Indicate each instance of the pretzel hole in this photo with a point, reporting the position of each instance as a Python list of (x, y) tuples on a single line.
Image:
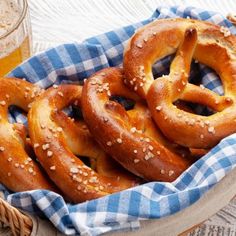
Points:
[(16, 115), (75, 113), (194, 108), (127, 103), (212, 82), (90, 162), (162, 67)]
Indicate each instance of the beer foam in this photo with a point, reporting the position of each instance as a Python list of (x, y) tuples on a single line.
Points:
[(9, 15), (10, 12)]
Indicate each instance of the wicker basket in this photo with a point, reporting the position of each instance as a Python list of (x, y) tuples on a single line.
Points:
[(19, 223)]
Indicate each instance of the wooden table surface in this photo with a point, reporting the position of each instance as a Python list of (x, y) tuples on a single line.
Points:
[(58, 21)]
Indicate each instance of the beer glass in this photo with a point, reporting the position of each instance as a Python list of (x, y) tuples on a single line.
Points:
[(15, 34)]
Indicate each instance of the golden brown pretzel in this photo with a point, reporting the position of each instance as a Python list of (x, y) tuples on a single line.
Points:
[(18, 171), (211, 45), (142, 120), (77, 181), (115, 130), (81, 143)]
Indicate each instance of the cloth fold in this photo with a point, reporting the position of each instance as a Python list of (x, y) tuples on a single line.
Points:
[(71, 63)]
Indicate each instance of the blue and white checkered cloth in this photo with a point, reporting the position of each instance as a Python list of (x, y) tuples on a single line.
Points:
[(123, 210)]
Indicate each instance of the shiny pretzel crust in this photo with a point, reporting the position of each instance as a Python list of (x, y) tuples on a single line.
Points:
[(209, 44), (116, 131), (18, 171), (77, 181)]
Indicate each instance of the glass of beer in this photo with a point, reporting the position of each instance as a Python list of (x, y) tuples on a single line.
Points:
[(15, 34)]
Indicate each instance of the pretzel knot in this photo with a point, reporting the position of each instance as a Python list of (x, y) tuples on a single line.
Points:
[(209, 44), (129, 139), (57, 141), (19, 172)]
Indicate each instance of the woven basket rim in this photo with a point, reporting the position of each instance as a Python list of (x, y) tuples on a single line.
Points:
[(18, 222)]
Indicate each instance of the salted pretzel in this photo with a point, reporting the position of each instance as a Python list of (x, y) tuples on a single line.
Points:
[(117, 132), (77, 181), (141, 118), (18, 171), (81, 143), (209, 44)]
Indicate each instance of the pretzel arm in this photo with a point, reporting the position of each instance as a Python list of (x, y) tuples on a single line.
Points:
[(204, 96), (16, 163)]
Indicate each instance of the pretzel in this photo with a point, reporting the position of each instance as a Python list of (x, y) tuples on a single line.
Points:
[(209, 44), (142, 120), (114, 129), (81, 143), (18, 171), (77, 181)]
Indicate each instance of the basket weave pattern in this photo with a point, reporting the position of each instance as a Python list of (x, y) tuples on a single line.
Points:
[(19, 223)]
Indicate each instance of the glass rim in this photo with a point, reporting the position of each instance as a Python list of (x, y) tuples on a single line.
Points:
[(19, 21)]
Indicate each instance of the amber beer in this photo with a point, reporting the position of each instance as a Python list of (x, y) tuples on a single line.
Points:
[(15, 34)]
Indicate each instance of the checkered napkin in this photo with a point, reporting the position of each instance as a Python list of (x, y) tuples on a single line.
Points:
[(123, 210)]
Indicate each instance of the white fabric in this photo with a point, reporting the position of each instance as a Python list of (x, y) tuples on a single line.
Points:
[(58, 21)]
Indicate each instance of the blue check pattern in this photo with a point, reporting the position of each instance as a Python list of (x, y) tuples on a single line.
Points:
[(124, 210)]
